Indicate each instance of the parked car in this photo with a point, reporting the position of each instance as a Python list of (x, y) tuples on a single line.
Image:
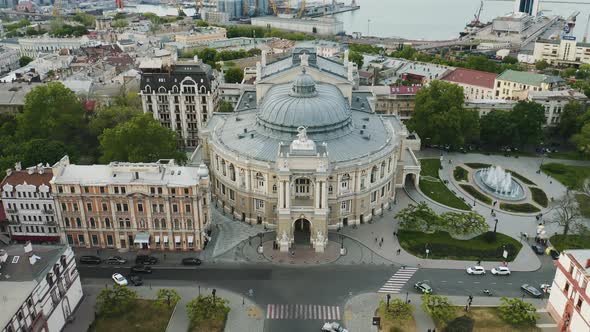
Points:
[(423, 287), (90, 260), (333, 327), (135, 280), (554, 254), (538, 249), (545, 288), (532, 291), (501, 271), (191, 261), (476, 270), (119, 279), (117, 260), (141, 269), (146, 259)]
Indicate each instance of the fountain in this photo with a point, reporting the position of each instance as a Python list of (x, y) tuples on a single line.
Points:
[(499, 183)]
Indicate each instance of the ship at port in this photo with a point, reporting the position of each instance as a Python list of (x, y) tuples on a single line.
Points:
[(474, 24)]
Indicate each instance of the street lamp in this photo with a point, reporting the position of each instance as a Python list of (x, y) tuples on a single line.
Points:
[(213, 292), (495, 226), (388, 298)]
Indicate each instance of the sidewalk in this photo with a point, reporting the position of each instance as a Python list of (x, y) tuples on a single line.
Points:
[(359, 310), (247, 317)]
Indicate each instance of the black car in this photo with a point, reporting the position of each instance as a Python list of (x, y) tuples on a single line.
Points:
[(554, 254), (532, 291), (118, 260), (191, 261), (538, 249), (141, 269), (90, 260), (135, 280), (146, 260)]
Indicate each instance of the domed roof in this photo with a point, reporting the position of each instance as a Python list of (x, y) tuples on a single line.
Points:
[(318, 107)]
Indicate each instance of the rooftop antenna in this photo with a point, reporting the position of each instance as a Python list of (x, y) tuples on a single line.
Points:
[(585, 39)]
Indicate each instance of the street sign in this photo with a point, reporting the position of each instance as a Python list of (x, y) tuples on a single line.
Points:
[(505, 254)]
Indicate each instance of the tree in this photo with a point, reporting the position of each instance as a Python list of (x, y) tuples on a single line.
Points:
[(418, 218), (140, 139), (110, 117), (207, 308), (52, 112), (85, 19), (515, 311), (167, 297), (542, 65), (464, 223), (567, 213), (510, 60), (40, 150), (438, 307), (528, 118), (569, 122), (398, 309), (24, 60), (120, 23), (225, 106), (357, 58), (497, 129), (582, 140), (439, 116), (234, 75), (115, 301)]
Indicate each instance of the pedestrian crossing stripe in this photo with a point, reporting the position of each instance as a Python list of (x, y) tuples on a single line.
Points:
[(302, 312), (398, 280)]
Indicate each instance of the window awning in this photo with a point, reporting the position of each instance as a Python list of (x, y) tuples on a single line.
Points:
[(157, 238), (142, 237), (165, 239), (177, 238), (190, 239)]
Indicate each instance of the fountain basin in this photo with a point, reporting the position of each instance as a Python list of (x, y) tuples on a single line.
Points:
[(497, 182)]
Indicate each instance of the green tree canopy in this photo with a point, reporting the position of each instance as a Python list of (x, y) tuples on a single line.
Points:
[(110, 117), (52, 112), (398, 309), (439, 116), (497, 128), (115, 301), (528, 118), (542, 65), (516, 311), (438, 307), (141, 139), (85, 19), (167, 297), (207, 308), (43, 151), (418, 218), (234, 75), (357, 58), (24, 60), (225, 106), (582, 139), (570, 121), (464, 223)]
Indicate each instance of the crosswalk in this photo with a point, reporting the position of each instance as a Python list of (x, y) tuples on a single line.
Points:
[(398, 280), (302, 311)]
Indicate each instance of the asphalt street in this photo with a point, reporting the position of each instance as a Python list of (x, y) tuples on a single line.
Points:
[(329, 285)]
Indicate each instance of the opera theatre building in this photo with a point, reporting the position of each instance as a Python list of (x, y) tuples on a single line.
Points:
[(305, 153)]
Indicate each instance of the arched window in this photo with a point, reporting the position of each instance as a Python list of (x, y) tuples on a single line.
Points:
[(382, 169), (176, 224), (163, 223), (148, 89), (161, 89), (121, 223), (232, 172), (67, 222), (107, 223), (274, 188), (175, 89), (223, 167), (345, 183), (156, 224), (78, 222), (189, 224), (92, 223), (374, 174), (259, 180)]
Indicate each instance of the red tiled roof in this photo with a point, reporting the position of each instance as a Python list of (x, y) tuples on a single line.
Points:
[(36, 179), (471, 77), (404, 90)]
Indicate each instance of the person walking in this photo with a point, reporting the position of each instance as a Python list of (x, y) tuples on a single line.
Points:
[(399, 251)]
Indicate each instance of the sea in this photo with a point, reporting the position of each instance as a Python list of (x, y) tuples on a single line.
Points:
[(425, 19)]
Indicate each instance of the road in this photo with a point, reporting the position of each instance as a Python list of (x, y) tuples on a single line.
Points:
[(329, 285)]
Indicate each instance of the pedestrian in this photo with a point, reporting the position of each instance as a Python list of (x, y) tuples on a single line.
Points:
[(375, 240), (492, 212), (293, 253), (479, 262), (381, 240), (399, 251)]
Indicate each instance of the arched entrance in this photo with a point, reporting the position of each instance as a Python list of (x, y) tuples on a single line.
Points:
[(302, 231), (410, 179)]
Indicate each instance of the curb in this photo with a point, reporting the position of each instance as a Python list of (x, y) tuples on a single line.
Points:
[(364, 245)]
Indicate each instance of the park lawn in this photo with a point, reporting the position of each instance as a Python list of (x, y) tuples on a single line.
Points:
[(476, 194), (539, 196), (487, 319), (460, 173), (443, 246), (521, 178), (569, 155), (406, 325), (435, 189), (561, 242), (584, 204), (145, 316), (519, 207), (570, 176), (477, 165)]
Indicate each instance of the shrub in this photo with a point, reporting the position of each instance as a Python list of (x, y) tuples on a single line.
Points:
[(539, 196), (460, 173), (476, 193), (519, 208), (460, 324)]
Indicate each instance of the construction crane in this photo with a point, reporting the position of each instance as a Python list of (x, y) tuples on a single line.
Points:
[(301, 10), (57, 8), (273, 5)]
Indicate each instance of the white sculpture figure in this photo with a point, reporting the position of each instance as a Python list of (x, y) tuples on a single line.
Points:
[(302, 134), (319, 237), (304, 59), (284, 237)]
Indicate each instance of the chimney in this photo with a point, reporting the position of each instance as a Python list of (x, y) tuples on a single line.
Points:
[(8, 171), (345, 58), (17, 166)]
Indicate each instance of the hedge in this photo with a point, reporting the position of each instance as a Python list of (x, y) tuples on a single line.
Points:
[(539, 196), (519, 208), (521, 178), (476, 193), (460, 173), (477, 165)]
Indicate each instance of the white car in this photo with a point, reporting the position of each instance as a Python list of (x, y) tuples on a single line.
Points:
[(501, 271), (119, 279), (476, 270)]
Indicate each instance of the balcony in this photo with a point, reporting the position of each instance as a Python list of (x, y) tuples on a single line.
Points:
[(13, 210)]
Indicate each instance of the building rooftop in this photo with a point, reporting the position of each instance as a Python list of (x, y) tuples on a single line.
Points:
[(314, 60), (404, 90), (527, 78), (36, 176), (471, 77), (557, 94), (14, 93), (582, 256)]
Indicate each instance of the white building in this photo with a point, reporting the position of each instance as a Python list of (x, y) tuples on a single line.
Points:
[(325, 48), (43, 289), (476, 84), (29, 206), (32, 47), (8, 59), (566, 51), (569, 302), (321, 26), (555, 101)]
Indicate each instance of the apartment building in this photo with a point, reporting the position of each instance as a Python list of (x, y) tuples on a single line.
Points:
[(563, 52), (476, 84), (158, 205), (28, 203), (394, 100), (554, 102), (515, 85), (569, 302)]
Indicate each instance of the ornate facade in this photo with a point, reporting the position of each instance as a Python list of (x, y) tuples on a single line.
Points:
[(304, 153)]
